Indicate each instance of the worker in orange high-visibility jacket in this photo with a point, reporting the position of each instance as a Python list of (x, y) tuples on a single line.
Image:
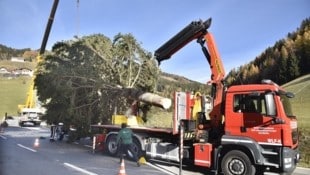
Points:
[(124, 141)]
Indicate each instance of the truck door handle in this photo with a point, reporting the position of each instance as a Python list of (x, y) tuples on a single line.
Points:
[(243, 129)]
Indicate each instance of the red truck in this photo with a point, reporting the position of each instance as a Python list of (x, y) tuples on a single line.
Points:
[(250, 129)]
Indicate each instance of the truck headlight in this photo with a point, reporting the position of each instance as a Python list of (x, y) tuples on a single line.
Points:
[(287, 160)]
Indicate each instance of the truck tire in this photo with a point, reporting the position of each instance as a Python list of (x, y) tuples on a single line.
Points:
[(237, 163), (111, 145), (136, 148)]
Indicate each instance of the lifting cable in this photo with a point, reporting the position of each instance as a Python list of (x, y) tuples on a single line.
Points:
[(77, 18)]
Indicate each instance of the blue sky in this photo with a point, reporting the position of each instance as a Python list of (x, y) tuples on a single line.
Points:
[(242, 29)]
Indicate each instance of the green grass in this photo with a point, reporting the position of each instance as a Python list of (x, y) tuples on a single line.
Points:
[(10, 65), (301, 102), (12, 93), (301, 108)]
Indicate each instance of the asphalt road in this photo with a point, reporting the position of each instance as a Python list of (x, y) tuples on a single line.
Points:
[(19, 156)]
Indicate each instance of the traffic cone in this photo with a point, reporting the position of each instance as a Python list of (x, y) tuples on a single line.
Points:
[(36, 143), (122, 170)]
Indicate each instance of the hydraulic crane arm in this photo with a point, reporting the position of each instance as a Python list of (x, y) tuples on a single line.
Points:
[(199, 30), (48, 27), (195, 30)]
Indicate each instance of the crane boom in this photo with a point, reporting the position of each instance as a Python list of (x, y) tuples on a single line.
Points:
[(199, 30), (48, 27), (31, 99), (194, 30)]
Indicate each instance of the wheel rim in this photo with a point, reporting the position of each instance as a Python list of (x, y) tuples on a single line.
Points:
[(135, 150), (112, 147), (236, 166)]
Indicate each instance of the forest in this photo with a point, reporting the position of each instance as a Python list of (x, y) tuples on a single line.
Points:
[(288, 59)]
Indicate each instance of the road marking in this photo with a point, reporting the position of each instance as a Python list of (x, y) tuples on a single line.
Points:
[(32, 128), (79, 169), (88, 146), (25, 147), (3, 137), (159, 168)]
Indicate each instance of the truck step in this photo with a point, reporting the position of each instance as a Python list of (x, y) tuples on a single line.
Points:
[(270, 153), (271, 164)]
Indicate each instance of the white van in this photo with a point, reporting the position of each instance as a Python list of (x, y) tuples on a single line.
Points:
[(30, 116)]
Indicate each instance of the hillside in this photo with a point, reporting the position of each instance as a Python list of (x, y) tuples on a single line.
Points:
[(286, 60), (7, 52), (168, 83), (12, 93), (9, 65), (300, 104)]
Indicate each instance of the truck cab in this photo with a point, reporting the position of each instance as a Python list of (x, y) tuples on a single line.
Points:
[(259, 119)]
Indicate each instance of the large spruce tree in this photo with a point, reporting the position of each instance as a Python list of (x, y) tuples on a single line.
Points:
[(80, 81)]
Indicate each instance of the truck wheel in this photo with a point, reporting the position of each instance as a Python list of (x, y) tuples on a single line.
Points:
[(135, 148), (237, 163), (111, 145)]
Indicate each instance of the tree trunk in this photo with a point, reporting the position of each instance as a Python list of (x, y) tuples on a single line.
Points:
[(146, 97)]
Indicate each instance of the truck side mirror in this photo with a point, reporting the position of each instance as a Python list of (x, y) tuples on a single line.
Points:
[(270, 104), (290, 95)]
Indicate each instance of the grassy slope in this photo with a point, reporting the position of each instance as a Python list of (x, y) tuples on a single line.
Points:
[(301, 103), (301, 108), (13, 92), (17, 65)]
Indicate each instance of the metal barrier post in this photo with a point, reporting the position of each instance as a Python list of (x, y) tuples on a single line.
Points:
[(181, 128), (94, 144)]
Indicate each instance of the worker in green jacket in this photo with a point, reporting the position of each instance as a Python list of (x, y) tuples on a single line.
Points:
[(124, 140)]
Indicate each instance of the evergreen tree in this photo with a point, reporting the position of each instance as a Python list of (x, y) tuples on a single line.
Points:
[(79, 82), (292, 67), (288, 59)]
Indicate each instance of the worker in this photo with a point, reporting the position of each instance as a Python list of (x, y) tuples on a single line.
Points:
[(60, 131), (53, 132), (124, 141)]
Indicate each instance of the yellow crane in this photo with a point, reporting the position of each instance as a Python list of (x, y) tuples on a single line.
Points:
[(29, 111)]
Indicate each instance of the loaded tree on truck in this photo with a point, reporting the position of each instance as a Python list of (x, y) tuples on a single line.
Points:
[(250, 129)]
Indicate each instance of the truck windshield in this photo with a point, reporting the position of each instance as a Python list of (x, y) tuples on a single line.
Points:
[(287, 105)]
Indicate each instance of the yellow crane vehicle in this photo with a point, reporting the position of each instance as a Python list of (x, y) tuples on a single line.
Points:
[(30, 112)]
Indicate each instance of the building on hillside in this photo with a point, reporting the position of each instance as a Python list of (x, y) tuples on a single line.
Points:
[(16, 73), (4, 70), (23, 72), (17, 59)]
